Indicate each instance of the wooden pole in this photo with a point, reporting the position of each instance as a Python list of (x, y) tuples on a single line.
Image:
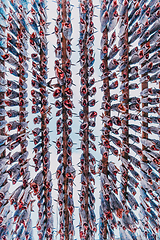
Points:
[(106, 113), (65, 126), (46, 228), (125, 102), (86, 119), (2, 96), (144, 85), (86, 131), (21, 108), (43, 127)]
